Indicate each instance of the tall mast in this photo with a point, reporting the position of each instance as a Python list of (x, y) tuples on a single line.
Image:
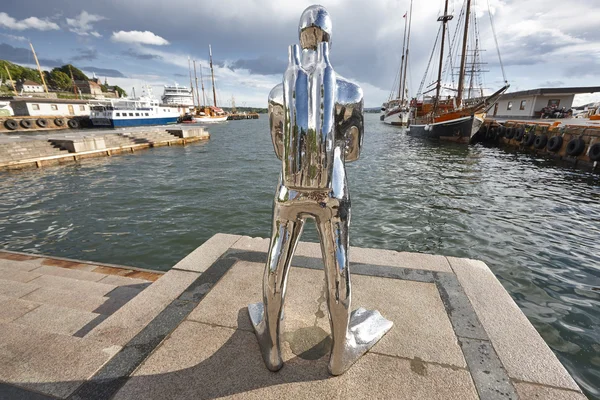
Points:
[(407, 48), (73, 81), (11, 81), (39, 69), (444, 19), (191, 83), (401, 84), (212, 73), (461, 77), (197, 92), (202, 83)]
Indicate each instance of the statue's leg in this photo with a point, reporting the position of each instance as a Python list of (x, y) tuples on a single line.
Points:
[(334, 246), (266, 317)]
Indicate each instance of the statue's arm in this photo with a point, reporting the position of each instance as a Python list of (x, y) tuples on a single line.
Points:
[(349, 117), (276, 118)]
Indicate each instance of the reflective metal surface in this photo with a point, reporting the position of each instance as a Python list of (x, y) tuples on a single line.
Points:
[(316, 124)]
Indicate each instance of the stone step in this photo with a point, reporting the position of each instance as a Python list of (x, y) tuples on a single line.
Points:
[(56, 319), (69, 284)]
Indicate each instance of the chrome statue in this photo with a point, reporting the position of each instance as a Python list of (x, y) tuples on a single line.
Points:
[(316, 121)]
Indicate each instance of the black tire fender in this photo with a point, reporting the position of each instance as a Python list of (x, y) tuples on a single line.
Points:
[(555, 143), (41, 122), (11, 124), (594, 152), (59, 121), (510, 133), (575, 147), (530, 138), (540, 141), (26, 123), (73, 123), (520, 133)]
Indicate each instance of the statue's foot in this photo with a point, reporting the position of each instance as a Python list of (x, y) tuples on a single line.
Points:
[(269, 349), (365, 329)]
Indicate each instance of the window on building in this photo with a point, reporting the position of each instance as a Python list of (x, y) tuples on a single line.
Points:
[(522, 106), (137, 114), (553, 102), (509, 106), (82, 108), (54, 107), (118, 114), (131, 114), (146, 114), (35, 106)]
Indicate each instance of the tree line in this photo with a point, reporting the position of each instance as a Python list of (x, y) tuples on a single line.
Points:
[(58, 79)]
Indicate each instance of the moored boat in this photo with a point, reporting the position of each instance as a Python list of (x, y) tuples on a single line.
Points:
[(132, 112), (455, 117)]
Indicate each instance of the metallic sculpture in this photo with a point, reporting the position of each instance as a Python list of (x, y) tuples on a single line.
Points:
[(316, 121)]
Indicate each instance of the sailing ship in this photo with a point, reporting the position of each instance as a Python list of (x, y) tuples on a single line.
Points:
[(204, 113), (398, 111), (455, 117)]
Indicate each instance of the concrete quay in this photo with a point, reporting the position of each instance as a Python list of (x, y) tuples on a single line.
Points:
[(457, 333), (24, 151)]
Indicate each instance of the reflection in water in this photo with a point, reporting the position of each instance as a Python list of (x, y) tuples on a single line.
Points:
[(537, 226)]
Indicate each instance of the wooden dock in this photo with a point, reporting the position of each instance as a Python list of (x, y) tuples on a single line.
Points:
[(237, 117), (56, 148)]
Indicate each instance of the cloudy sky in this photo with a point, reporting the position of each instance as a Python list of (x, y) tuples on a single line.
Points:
[(543, 44)]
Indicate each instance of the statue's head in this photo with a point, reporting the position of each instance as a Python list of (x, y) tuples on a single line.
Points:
[(314, 27)]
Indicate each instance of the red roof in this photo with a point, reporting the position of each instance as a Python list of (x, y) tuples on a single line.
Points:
[(31, 83)]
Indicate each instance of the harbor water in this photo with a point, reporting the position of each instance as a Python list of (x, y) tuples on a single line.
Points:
[(537, 225)]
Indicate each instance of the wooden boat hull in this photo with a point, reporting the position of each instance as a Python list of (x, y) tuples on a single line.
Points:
[(459, 130)]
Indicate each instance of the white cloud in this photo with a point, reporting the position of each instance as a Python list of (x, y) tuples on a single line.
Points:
[(139, 37), (6, 21), (82, 24), (14, 38)]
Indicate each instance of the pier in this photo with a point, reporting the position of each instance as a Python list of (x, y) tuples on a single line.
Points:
[(573, 141), (80, 330), (18, 152), (237, 117)]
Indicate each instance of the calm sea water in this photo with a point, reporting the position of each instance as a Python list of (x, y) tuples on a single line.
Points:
[(536, 225)]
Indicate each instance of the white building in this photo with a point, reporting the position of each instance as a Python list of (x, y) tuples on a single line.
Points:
[(34, 107), (528, 104), (28, 86)]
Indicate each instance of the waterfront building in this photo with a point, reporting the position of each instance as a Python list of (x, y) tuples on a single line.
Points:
[(89, 87), (27, 86), (33, 107), (527, 104)]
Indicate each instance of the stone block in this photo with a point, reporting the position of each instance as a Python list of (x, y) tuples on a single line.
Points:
[(55, 319), (124, 281), (66, 298), (130, 319), (26, 265), (199, 360), (14, 274), (69, 284), (70, 273), (16, 289), (11, 308), (521, 349), (421, 326), (205, 255), (48, 363)]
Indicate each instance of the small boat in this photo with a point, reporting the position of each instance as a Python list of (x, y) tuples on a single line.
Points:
[(397, 111), (454, 117)]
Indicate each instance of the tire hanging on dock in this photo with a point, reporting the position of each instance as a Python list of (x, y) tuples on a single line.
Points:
[(540, 141), (594, 152), (11, 124), (555, 143), (59, 121), (520, 133), (73, 123), (575, 147), (41, 122), (510, 133), (25, 123), (530, 138)]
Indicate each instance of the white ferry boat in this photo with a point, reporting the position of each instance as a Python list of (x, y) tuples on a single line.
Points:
[(132, 112), (177, 96)]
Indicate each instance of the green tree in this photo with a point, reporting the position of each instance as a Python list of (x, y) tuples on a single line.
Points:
[(78, 75), (59, 80), (122, 93)]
